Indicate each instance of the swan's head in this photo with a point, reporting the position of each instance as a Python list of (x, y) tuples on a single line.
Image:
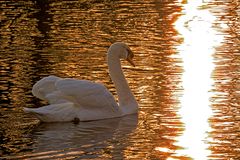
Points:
[(122, 51)]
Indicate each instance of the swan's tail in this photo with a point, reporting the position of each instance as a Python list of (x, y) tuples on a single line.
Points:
[(54, 112), (36, 113), (28, 110)]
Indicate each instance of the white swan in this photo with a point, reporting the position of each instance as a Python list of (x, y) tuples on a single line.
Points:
[(71, 99)]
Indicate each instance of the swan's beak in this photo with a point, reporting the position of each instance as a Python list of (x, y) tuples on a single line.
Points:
[(130, 61), (130, 57)]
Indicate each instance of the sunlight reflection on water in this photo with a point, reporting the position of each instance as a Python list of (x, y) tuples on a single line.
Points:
[(200, 41)]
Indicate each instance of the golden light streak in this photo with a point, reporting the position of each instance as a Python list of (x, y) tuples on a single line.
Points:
[(200, 39)]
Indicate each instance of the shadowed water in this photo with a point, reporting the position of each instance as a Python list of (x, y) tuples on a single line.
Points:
[(186, 78)]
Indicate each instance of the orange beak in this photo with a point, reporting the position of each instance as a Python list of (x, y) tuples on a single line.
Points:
[(130, 57), (130, 61)]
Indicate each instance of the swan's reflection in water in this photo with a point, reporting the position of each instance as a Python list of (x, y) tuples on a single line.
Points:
[(102, 139)]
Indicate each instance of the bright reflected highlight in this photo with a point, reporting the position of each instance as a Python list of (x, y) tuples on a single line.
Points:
[(200, 39)]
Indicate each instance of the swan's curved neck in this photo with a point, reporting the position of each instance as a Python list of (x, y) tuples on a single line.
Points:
[(126, 99)]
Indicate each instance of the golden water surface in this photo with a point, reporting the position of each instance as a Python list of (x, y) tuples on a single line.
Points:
[(186, 79)]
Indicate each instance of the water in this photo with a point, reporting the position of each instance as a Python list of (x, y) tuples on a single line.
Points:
[(186, 79)]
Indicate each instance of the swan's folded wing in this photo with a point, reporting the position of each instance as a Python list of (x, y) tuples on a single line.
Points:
[(87, 94), (72, 87)]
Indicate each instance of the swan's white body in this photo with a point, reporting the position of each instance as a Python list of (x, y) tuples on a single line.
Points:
[(84, 100)]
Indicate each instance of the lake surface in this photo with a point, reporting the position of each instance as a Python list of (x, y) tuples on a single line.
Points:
[(186, 79)]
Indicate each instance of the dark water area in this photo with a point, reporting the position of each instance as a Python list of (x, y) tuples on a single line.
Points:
[(186, 79)]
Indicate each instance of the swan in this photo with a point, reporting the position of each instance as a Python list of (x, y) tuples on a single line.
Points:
[(71, 99)]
